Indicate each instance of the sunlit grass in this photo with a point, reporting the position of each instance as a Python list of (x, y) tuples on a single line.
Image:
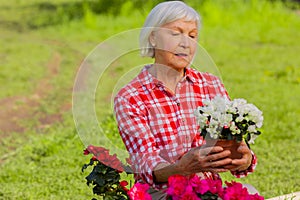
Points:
[(254, 45)]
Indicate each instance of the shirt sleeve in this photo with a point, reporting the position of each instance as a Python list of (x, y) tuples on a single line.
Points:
[(251, 168), (137, 137)]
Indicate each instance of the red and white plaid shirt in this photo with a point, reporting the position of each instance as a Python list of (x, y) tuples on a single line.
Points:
[(158, 126)]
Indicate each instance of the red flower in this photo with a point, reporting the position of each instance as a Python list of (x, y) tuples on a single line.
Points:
[(139, 192), (123, 184), (116, 163), (102, 155), (128, 160), (96, 150), (86, 152)]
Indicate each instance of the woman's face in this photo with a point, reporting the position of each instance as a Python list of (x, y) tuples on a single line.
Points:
[(175, 43)]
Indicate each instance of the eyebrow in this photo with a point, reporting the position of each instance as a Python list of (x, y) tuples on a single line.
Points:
[(179, 28)]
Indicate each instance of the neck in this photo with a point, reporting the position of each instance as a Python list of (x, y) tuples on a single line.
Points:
[(169, 76)]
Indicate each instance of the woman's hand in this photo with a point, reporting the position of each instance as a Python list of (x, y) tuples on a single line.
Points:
[(244, 162), (201, 159)]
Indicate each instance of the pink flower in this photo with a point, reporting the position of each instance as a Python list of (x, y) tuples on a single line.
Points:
[(195, 181), (177, 186), (256, 197), (235, 191), (189, 194), (202, 187), (139, 192), (215, 186), (195, 188), (206, 185)]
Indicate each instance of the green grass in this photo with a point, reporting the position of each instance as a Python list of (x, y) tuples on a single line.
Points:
[(254, 45)]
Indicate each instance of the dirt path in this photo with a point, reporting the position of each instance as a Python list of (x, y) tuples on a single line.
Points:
[(17, 109)]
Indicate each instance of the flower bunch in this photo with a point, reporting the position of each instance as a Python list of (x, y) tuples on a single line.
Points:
[(106, 180), (221, 118), (105, 176), (183, 188)]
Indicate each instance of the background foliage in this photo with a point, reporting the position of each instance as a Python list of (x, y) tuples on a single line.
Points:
[(254, 43)]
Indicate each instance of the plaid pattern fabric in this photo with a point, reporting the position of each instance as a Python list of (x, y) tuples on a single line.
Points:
[(158, 126)]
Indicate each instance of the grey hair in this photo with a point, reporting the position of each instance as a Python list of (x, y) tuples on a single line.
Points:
[(161, 14)]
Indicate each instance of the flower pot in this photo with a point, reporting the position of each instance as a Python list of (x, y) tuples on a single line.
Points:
[(231, 145)]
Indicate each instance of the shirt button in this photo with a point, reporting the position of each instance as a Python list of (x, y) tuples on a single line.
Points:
[(178, 104)]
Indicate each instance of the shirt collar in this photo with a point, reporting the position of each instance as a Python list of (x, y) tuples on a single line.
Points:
[(150, 82), (147, 80), (190, 75)]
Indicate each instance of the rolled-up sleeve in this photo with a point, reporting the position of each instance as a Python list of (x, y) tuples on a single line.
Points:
[(251, 168)]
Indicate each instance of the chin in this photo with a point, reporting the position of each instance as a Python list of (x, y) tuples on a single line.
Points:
[(179, 67), (182, 63)]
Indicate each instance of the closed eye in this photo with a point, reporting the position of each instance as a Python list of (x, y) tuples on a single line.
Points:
[(175, 33), (193, 36)]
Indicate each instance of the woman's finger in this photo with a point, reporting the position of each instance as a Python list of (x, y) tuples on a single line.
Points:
[(217, 170), (209, 150), (237, 162), (217, 156), (219, 163)]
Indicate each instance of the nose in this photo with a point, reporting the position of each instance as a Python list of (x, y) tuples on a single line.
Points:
[(184, 41)]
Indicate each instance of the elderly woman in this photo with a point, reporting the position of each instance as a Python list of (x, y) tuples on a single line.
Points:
[(155, 111)]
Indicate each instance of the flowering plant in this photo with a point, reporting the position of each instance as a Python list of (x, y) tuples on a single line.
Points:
[(221, 118), (106, 180), (183, 188), (105, 176)]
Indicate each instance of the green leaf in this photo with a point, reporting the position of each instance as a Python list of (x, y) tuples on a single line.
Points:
[(248, 137), (203, 133), (257, 133), (85, 166), (208, 196), (239, 137)]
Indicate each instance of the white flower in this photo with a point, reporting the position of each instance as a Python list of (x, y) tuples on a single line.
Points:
[(207, 110), (206, 102), (219, 112), (252, 129), (259, 123), (239, 118), (237, 103), (214, 122), (231, 109), (234, 129), (212, 132), (225, 119), (252, 138)]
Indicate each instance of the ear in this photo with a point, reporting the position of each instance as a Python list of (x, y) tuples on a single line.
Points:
[(152, 39)]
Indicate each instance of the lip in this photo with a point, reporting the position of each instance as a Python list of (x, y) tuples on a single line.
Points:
[(181, 54)]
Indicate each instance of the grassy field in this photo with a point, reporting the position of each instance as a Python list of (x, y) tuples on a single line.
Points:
[(254, 44)]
